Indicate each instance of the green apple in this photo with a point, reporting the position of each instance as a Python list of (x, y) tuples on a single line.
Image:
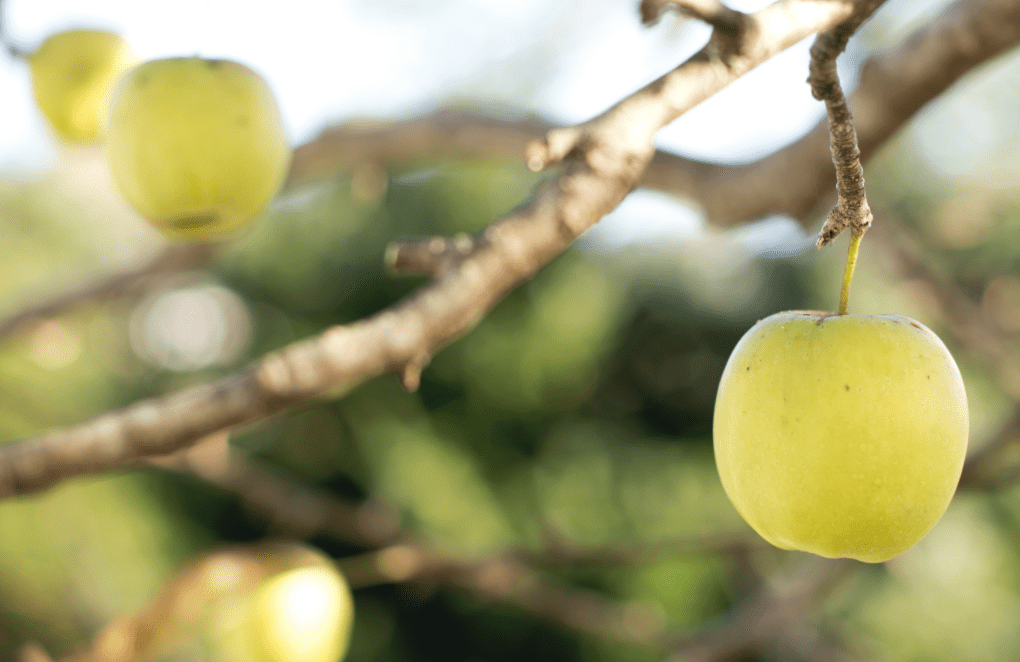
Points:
[(196, 146), (301, 615), (841, 435), (73, 75)]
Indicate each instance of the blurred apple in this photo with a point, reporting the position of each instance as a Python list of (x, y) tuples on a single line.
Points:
[(196, 146), (73, 75), (303, 615), (841, 435)]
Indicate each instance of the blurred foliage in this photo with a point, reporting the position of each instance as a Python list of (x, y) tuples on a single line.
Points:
[(581, 406)]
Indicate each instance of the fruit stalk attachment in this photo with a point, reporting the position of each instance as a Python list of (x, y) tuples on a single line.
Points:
[(848, 273), (852, 210)]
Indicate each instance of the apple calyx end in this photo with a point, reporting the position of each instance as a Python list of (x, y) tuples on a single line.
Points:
[(185, 224)]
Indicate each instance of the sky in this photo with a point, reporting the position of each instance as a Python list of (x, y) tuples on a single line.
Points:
[(330, 61)]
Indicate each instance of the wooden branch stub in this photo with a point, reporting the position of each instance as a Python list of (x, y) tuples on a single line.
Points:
[(433, 255), (712, 12)]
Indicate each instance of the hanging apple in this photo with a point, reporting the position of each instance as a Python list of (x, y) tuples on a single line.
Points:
[(196, 146), (73, 75), (841, 435)]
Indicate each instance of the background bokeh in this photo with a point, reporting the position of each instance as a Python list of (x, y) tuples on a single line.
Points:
[(579, 410)]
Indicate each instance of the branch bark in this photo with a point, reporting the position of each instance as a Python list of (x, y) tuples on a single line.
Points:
[(795, 181), (851, 210), (606, 158)]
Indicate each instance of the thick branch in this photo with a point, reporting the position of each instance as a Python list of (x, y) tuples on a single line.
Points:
[(610, 154)]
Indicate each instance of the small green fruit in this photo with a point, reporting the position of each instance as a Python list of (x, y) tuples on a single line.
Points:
[(73, 75), (842, 435), (302, 615), (196, 146)]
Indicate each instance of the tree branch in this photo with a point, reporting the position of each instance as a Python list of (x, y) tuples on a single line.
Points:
[(798, 179), (510, 578), (623, 132), (298, 510), (608, 156), (851, 210), (445, 132), (795, 180), (507, 580)]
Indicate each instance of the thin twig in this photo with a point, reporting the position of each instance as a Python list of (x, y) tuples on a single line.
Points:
[(510, 577), (798, 180), (446, 132), (505, 579), (295, 509), (772, 619), (139, 279), (851, 210)]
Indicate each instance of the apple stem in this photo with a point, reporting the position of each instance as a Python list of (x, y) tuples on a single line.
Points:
[(848, 273)]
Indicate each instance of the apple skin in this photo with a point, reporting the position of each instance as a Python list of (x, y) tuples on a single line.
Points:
[(196, 146), (302, 615), (841, 435), (73, 76)]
